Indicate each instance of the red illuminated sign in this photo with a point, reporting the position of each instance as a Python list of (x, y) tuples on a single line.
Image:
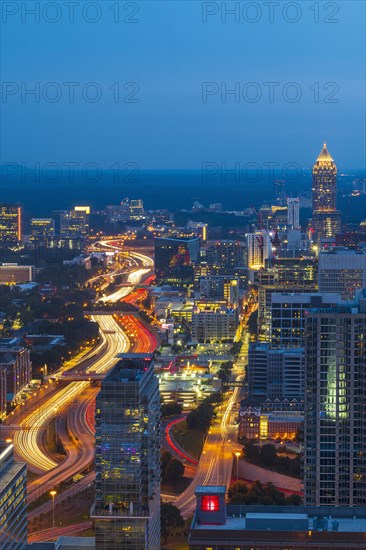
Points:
[(210, 503)]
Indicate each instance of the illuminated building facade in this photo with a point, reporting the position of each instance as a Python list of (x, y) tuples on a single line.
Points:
[(74, 223), (127, 458), (224, 256), (41, 228), (255, 424), (335, 406), (220, 287), (288, 316), (259, 249), (11, 274), (10, 223), (326, 217), (13, 501), (175, 260), (136, 209), (17, 364), (213, 321), (342, 270)]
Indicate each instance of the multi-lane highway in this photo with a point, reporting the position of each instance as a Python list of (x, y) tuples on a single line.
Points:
[(216, 461), (28, 441), (69, 404)]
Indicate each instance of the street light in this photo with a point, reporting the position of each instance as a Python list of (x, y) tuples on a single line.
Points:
[(53, 494), (237, 454)]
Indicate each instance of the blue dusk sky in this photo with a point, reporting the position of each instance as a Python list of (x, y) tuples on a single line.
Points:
[(149, 81)]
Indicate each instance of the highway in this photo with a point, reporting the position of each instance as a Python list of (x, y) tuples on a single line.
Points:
[(27, 441), (216, 461)]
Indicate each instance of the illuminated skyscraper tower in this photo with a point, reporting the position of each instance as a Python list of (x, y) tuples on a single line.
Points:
[(335, 405), (127, 457), (326, 217)]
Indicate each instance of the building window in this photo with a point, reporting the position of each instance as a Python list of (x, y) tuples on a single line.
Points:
[(210, 504)]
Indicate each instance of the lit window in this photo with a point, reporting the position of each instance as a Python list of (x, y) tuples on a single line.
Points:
[(210, 504)]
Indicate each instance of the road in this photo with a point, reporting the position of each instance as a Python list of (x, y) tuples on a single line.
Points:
[(68, 530), (27, 441), (216, 461)]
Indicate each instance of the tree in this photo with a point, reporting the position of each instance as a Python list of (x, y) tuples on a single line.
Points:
[(170, 518), (170, 409), (174, 471)]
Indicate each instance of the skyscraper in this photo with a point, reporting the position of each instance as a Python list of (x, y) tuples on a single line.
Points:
[(13, 500), (326, 217), (259, 249), (175, 260), (127, 457), (10, 223), (335, 405), (293, 213)]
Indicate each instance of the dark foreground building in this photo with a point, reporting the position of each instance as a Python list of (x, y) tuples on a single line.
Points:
[(127, 458), (217, 526), (13, 500)]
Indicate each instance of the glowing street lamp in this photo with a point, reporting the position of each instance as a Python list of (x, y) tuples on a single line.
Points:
[(237, 454), (53, 494)]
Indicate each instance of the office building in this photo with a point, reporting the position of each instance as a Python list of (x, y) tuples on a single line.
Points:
[(220, 526), (12, 274), (343, 271), (287, 317), (213, 321), (275, 373), (40, 228), (293, 213), (74, 223), (335, 405), (223, 257), (220, 287), (259, 249), (127, 457), (10, 223), (265, 292), (175, 260), (299, 270), (254, 423), (326, 217), (118, 213), (13, 500), (136, 209), (16, 361)]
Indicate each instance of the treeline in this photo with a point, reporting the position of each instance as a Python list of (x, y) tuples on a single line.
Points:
[(266, 456), (258, 493)]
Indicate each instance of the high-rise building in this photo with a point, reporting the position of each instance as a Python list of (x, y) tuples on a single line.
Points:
[(293, 213), (335, 405), (220, 287), (16, 361), (275, 373), (41, 228), (74, 223), (326, 217), (127, 457), (10, 223), (212, 321), (342, 270), (259, 249), (136, 209), (175, 260), (288, 315), (13, 500)]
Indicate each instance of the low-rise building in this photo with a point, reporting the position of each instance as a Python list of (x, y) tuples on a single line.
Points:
[(12, 274), (218, 526)]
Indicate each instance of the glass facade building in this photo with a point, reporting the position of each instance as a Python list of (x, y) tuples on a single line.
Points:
[(13, 501), (127, 460), (326, 217), (335, 406), (175, 261)]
